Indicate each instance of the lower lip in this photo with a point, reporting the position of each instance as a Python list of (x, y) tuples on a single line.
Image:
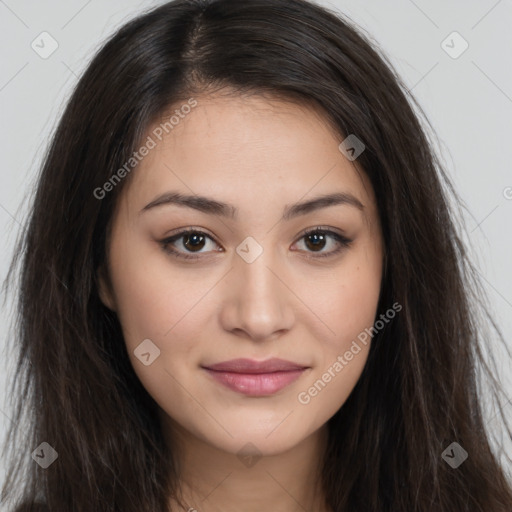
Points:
[(256, 384)]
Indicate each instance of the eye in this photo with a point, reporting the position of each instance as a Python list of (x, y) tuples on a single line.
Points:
[(192, 240), (189, 244), (315, 241)]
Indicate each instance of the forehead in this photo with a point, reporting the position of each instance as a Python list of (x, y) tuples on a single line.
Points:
[(239, 149)]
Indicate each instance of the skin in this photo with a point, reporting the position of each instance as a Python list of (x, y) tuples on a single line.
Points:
[(257, 155)]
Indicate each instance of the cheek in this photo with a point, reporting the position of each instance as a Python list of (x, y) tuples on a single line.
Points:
[(152, 296), (351, 296), (160, 302), (154, 302), (348, 305)]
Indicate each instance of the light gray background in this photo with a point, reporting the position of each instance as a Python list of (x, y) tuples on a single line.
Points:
[(467, 99)]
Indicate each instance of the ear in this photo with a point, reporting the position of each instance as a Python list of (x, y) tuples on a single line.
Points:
[(105, 288)]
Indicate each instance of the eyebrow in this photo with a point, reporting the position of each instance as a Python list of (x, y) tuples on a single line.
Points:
[(213, 207)]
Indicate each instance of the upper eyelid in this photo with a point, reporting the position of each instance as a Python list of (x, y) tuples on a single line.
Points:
[(304, 232)]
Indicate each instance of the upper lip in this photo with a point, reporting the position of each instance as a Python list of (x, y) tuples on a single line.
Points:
[(253, 366)]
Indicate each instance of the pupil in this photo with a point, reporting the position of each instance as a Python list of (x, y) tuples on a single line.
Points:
[(193, 240)]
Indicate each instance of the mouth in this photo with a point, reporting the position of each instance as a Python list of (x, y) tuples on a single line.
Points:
[(256, 378)]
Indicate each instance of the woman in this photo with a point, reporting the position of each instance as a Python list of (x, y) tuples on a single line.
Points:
[(241, 283)]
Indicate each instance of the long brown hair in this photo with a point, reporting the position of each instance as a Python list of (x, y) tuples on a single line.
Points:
[(74, 386)]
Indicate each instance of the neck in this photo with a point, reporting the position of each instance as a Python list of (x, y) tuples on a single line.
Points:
[(212, 480)]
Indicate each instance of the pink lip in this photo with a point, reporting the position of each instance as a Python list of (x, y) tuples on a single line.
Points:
[(252, 366), (256, 378)]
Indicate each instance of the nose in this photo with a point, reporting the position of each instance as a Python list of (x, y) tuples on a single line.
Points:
[(258, 303)]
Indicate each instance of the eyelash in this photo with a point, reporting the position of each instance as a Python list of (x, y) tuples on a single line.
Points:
[(167, 243)]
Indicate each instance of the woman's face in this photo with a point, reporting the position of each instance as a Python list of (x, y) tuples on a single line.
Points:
[(248, 283)]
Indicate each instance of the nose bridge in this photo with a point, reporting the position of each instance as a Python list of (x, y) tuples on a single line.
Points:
[(261, 284), (252, 264), (259, 303)]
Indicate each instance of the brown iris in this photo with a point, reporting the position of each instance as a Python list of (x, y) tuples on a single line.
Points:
[(193, 241), (317, 240)]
